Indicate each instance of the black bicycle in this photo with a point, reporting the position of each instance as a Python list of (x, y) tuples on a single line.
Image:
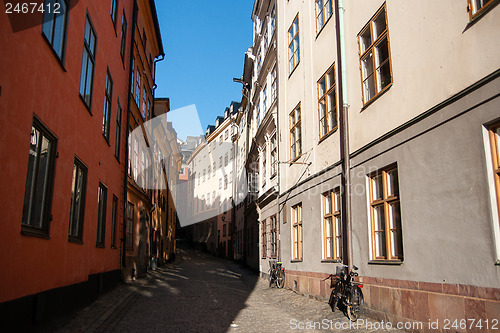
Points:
[(346, 293), (276, 274)]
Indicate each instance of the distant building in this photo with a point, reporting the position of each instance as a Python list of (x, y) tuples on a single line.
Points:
[(211, 166)]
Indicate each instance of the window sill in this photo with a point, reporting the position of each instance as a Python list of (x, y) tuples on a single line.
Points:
[(385, 262), (33, 232), (324, 24), (85, 103), (100, 245), (331, 261), (370, 102), (327, 135), (293, 70), (75, 240), (480, 14), (59, 59), (295, 261)]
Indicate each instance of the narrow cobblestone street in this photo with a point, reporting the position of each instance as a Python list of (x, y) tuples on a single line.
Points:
[(200, 293)]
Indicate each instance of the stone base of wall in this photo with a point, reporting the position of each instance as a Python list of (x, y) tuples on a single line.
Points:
[(415, 306)]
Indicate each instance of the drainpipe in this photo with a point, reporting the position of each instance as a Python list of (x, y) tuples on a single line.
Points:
[(344, 133), (125, 179)]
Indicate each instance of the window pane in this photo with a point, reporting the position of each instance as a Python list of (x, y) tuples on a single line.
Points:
[(322, 87), (30, 177), (394, 215), (392, 182), (382, 52), (329, 247), (379, 24), (332, 113), (365, 40), (328, 204), (60, 23), (322, 115), (48, 21), (380, 248), (367, 65), (377, 188), (383, 76), (379, 218), (336, 196), (338, 226), (41, 184), (328, 8)]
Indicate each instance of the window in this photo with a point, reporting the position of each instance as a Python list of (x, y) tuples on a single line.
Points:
[(327, 103), (114, 217), (477, 7), (118, 129), (123, 40), (264, 240), (138, 87), (54, 26), (225, 181), (297, 232), (264, 99), (39, 179), (88, 62), (220, 162), (143, 108), (295, 134), (202, 203), (135, 156), (230, 177), (213, 199), (132, 77), (77, 208), (323, 13), (113, 11), (209, 172), (224, 230), (231, 152), (274, 155), (101, 213), (130, 226), (494, 132), (226, 134), (214, 168), (332, 226), (226, 159), (273, 85), (108, 99), (264, 165), (204, 174), (220, 183), (293, 45), (385, 213), (274, 237), (374, 56)]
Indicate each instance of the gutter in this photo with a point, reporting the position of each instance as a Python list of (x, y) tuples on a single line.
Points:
[(345, 189)]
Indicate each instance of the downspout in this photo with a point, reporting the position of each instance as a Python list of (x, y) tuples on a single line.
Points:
[(125, 179), (344, 132)]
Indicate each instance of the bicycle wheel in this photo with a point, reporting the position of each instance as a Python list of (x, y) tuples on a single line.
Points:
[(280, 279), (272, 278), (354, 303)]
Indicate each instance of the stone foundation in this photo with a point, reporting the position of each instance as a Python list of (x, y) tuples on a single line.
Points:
[(412, 303)]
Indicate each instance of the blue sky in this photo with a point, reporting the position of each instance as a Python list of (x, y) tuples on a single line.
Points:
[(204, 43)]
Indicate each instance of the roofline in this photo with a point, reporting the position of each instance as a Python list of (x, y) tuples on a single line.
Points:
[(157, 27)]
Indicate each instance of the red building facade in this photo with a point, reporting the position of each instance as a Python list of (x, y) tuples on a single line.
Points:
[(64, 102)]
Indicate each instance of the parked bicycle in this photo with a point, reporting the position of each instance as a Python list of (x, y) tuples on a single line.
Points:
[(346, 293), (276, 274)]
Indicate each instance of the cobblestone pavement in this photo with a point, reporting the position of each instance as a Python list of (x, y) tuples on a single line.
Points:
[(200, 293)]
